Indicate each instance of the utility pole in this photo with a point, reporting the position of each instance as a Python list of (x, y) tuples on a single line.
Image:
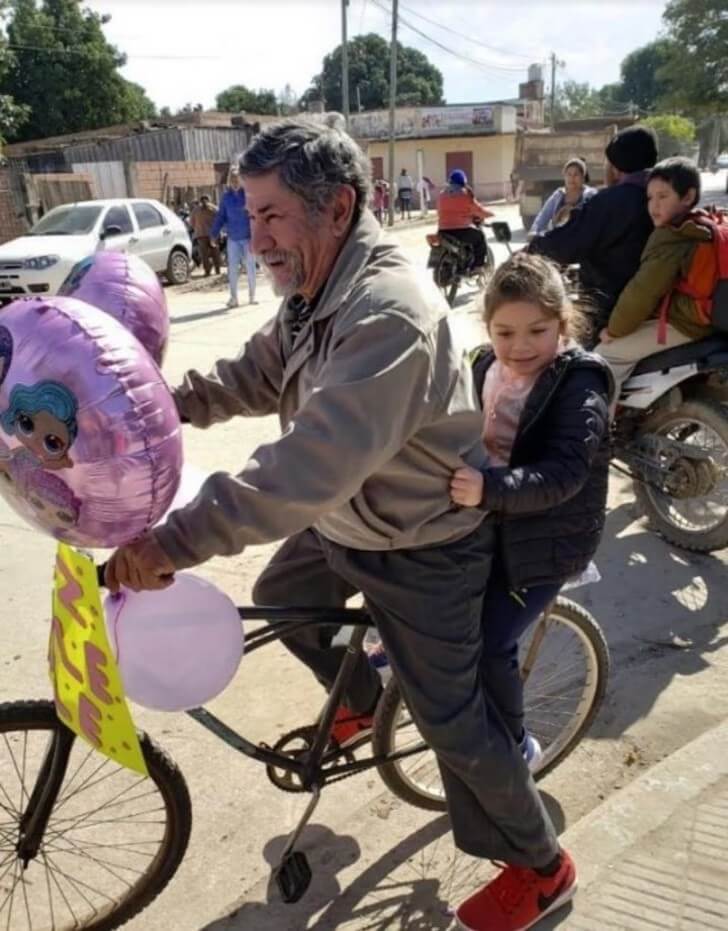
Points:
[(553, 88), (392, 105), (344, 64)]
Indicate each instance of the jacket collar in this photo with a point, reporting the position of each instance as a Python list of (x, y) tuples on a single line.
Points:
[(350, 262)]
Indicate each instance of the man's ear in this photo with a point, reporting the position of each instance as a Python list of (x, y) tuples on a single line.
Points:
[(344, 204)]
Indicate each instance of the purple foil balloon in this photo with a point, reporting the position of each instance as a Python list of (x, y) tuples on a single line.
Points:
[(126, 288), (90, 439)]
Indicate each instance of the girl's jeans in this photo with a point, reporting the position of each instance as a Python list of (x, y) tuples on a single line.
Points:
[(506, 617)]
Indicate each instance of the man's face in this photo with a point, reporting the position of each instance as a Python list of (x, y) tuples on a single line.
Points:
[(611, 174), (297, 251)]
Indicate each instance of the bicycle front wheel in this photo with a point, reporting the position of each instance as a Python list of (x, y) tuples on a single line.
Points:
[(114, 838), (564, 662)]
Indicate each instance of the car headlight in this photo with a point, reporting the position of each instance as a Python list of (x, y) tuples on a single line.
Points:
[(39, 262)]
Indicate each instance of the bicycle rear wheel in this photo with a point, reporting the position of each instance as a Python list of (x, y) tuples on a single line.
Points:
[(114, 839), (564, 662)]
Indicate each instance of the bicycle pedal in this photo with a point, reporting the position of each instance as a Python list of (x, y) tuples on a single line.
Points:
[(293, 876)]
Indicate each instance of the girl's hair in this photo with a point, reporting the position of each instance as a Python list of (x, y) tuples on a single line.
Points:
[(6, 352), (48, 396), (535, 280)]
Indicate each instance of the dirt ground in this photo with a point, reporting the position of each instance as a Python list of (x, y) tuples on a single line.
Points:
[(378, 864)]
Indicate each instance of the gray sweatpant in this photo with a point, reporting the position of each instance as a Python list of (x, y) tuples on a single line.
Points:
[(426, 604)]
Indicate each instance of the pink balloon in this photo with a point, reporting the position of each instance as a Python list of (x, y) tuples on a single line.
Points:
[(176, 648), (90, 439), (125, 287)]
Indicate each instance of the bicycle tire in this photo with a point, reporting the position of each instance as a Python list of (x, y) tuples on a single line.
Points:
[(35, 715), (390, 705)]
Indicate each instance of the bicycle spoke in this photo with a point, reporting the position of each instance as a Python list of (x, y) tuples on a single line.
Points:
[(15, 767), (51, 876)]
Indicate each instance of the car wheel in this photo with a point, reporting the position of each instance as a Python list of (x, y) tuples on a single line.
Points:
[(178, 267)]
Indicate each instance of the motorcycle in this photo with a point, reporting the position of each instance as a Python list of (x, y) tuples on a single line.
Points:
[(671, 435), (452, 260)]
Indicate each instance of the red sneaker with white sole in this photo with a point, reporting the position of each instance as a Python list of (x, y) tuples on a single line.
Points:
[(351, 729), (518, 898)]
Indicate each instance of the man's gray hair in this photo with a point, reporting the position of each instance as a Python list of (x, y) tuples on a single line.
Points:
[(312, 159)]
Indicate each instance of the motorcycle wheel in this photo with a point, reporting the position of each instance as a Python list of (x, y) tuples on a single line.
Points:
[(447, 278), (698, 523)]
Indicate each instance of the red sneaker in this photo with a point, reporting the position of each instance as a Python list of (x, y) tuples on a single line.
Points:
[(350, 728), (518, 898)]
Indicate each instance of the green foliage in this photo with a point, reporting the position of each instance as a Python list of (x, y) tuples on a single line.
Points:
[(575, 100), (643, 79), (679, 127), (419, 83), (696, 71), (675, 134), (65, 71), (240, 99)]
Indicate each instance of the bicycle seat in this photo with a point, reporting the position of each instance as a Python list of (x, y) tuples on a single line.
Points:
[(711, 351)]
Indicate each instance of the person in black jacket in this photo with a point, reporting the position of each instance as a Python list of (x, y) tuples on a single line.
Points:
[(545, 404), (607, 234)]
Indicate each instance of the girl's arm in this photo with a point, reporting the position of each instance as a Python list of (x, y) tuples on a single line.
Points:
[(546, 213), (579, 422)]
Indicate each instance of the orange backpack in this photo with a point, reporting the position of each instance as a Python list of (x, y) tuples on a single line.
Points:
[(707, 280)]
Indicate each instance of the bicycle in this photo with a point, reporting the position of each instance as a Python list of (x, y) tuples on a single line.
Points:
[(103, 818)]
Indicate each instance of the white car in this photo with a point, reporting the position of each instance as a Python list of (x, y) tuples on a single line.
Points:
[(39, 262)]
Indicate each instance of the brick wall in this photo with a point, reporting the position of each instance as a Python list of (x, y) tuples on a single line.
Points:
[(158, 179), (10, 224)]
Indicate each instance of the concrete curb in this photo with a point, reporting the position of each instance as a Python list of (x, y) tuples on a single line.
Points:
[(604, 835)]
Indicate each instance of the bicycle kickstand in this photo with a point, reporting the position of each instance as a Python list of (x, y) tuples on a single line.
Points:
[(293, 873)]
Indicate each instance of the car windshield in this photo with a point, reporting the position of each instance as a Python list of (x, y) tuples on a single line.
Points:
[(67, 221)]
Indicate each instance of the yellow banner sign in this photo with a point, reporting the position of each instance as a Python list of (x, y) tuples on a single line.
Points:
[(87, 686)]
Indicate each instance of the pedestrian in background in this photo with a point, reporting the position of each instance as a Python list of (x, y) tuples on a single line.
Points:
[(233, 216), (405, 186), (201, 221)]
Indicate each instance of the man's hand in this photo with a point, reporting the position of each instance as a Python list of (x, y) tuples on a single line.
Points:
[(605, 337), (466, 487), (140, 566)]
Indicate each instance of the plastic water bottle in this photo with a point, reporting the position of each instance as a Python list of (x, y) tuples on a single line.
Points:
[(377, 657)]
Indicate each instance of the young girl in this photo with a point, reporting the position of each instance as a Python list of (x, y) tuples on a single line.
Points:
[(545, 403)]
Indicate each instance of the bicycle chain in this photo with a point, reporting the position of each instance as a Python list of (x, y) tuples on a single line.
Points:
[(286, 780)]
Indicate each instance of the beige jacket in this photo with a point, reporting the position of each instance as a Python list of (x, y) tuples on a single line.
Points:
[(377, 408)]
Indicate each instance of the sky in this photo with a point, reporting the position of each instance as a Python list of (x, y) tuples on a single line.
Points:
[(184, 51)]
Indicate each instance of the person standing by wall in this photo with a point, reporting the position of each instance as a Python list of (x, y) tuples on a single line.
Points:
[(405, 186), (233, 216), (202, 220)]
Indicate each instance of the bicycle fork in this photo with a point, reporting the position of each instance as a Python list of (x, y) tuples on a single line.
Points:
[(293, 873), (35, 818)]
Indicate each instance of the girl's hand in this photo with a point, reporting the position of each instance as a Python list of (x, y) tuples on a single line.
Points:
[(466, 487)]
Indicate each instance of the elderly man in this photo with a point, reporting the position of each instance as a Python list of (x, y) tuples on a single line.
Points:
[(377, 410)]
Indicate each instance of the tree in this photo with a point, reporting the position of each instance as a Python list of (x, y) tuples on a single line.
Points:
[(240, 99), (66, 72), (12, 115), (419, 83), (697, 69), (643, 80), (675, 133), (574, 100)]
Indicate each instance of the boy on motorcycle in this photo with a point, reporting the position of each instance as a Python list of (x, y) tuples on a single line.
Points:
[(636, 327), (458, 211)]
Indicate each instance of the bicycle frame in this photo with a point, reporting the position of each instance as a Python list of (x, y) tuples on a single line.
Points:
[(313, 768)]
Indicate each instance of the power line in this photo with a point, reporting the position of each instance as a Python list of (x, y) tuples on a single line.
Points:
[(488, 68), (78, 50), (462, 35)]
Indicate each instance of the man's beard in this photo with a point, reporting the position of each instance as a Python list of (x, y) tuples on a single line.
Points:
[(294, 266)]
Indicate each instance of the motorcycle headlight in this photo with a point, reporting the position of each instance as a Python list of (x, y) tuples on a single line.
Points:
[(39, 262)]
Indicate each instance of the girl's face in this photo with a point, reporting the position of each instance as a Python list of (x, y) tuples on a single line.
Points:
[(524, 338), (46, 437)]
